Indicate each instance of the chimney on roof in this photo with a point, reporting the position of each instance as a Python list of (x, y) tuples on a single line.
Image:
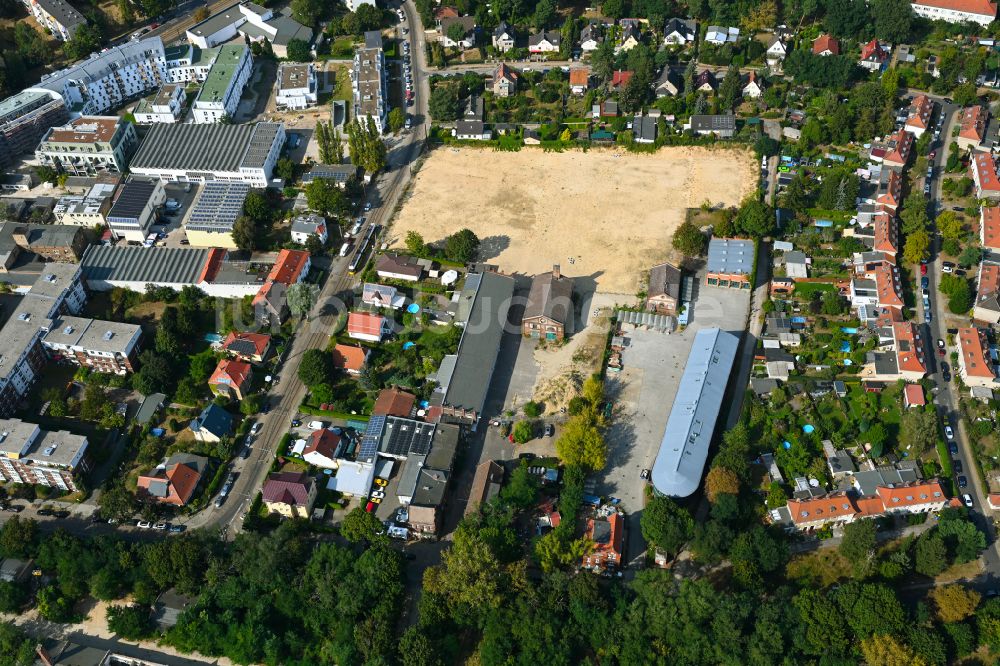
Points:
[(555, 271)]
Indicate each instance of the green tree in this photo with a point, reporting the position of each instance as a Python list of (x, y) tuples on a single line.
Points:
[(130, 622), (971, 256), (918, 430), (298, 50), (301, 297), (369, 17), (689, 240), (462, 246), (875, 436), (117, 503), (307, 12), (12, 597), (316, 368), (931, 554), (397, 119), (367, 149), (251, 404), (729, 89), (954, 603), (285, 169), (524, 431), (950, 225), (755, 218), (522, 490), (245, 233), (666, 525), (581, 443), (86, 40), (16, 648), (444, 103), (17, 537), (359, 526), (893, 20), (917, 247), (960, 298), (602, 61), (415, 244), (858, 544), (324, 197)]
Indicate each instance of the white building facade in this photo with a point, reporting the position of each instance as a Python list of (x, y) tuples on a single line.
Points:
[(957, 11), (296, 86), (220, 93)]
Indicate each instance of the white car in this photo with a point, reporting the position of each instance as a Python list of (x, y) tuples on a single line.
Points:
[(160, 526), (256, 428), (949, 433), (967, 499), (144, 524)]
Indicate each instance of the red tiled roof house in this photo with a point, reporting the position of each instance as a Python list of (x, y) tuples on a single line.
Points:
[(231, 378), (290, 494)]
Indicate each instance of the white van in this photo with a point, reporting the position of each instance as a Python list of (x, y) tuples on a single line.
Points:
[(344, 248), (317, 425)]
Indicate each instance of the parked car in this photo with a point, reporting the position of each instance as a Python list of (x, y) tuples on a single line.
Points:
[(925, 282), (940, 343), (160, 526), (953, 448), (296, 423), (256, 428), (962, 482), (947, 267), (956, 465), (245, 453), (143, 524), (13, 508), (967, 499), (45, 512), (949, 433), (549, 430), (175, 528)]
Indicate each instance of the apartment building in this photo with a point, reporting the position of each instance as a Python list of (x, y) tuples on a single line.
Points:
[(88, 145), (102, 346), (975, 366), (165, 107), (24, 119), (220, 93), (369, 81), (187, 62), (182, 152), (296, 86), (956, 11), (58, 16), (33, 456), (253, 22), (85, 210), (134, 209)]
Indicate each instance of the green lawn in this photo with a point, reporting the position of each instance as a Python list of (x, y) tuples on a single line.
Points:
[(807, 289)]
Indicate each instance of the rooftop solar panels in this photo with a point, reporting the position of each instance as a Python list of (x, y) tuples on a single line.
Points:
[(403, 437), (218, 206), (369, 443)]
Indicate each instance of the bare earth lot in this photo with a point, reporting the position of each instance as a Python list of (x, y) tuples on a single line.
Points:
[(612, 213)]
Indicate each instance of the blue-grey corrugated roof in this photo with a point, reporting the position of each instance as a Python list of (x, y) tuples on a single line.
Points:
[(158, 265), (728, 255)]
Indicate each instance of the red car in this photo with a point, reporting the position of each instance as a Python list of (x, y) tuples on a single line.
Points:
[(923, 269)]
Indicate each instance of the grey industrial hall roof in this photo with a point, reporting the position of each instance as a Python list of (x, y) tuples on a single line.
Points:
[(218, 21), (697, 406), (176, 265), (132, 199), (217, 207), (480, 343), (205, 147), (727, 255)]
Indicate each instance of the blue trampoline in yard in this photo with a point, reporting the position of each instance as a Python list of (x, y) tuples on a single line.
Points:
[(409, 345), (808, 428), (413, 308)]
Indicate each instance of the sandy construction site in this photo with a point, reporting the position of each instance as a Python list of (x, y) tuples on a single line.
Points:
[(606, 214)]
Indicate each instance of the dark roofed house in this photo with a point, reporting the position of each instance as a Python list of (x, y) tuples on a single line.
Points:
[(485, 486), (398, 267), (473, 130), (394, 402), (212, 424), (664, 292), (248, 346), (669, 84), (723, 126), (644, 129), (168, 607), (290, 494), (549, 310)]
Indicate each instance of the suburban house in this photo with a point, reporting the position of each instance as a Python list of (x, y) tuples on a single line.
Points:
[(485, 485), (913, 396), (972, 127), (919, 119), (306, 226), (796, 264), (350, 358), (367, 326), (503, 37), (394, 402), (579, 80), (873, 56), (753, 86), (473, 130), (504, 81), (987, 307), (620, 79), (825, 45), (398, 267), (905, 357), (607, 534), (591, 37), (644, 129), (630, 38), (663, 294), (173, 481), (549, 310), (719, 35), (231, 378), (321, 449), (705, 82), (723, 126), (989, 229), (894, 150), (290, 494), (841, 507), (776, 53), (680, 32), (730, 263), (982, 12), (251, 347), (670, 83), (975, 366), (468, 26), (382, 296), (212, 424), (983, 168), (545, 41), (889, 192)]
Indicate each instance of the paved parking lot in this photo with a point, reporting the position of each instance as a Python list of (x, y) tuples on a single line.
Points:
[(643, 394)]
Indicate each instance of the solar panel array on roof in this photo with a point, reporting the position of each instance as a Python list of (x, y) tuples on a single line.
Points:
[(369, 443), (217, 207), (193, 147), (176, 265), (403, 437), (260, 145), (131, 200), (243, 347)]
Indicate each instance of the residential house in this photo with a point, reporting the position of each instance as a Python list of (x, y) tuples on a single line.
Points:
[(841, 507), (546, 41), (398, 267), (382, 296), (975, 366), (394, 402), (989, 229), (367, 326), (307, 226), (886, 233), (504, 81), (469, 29), (297, 86), (212, 424), (889, 192), (503, 37), (606, 109), (825, 45), (644, 129), (88, 145), (983, 168), (549, 310), (579, 80), (894, 150), (663, 294), (753, 86), (473, 130), (776, 53), (174, 481), (873, 56), (591, 37), (972, 127), (57, 17), (251, 347), (231, 378), (987, 307), (321, 449), (630, 38), (982, 12), (680, 32), (485, 485), (670, 83), (796, 264), (620, 79), (913, 396), (730, 263), (290, 494), (350, 358), (607, 535), (907, 360), (705, 82), (919, 119), (719, 35)]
